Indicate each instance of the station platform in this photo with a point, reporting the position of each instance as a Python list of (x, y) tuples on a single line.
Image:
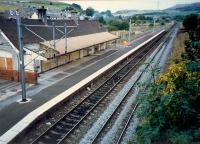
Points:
[(14, 112)]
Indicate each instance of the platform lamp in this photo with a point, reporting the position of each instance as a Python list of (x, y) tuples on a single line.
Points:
[(21, 55)]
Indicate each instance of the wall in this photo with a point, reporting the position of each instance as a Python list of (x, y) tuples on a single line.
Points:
[(30, 77), (32, 59), (9, 57), (64, 59), (8, 50)]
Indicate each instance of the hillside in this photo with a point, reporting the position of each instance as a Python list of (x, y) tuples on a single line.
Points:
[(50, 5), (186, 7)]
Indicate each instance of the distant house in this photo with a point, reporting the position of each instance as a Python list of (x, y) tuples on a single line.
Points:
[(87, 38)]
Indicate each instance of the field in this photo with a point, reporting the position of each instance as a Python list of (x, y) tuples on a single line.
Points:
[(46, 4), (178, 47), (7, 7)]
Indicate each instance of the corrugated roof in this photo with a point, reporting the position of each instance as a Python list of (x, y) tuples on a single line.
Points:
[(80, 42)]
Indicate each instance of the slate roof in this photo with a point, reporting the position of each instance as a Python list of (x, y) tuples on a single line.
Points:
[(85, 27)]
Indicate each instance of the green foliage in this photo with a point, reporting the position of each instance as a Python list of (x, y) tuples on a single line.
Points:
[(101, 20), (129, 142), (169, 109), (151, 24), (7, 7), (118, 25), (2, 16), (191, 22), (77, 7), (192, 46), (89, 11), (46, 3), (170, 104), (178, 18), (140, 17), (181, 138)]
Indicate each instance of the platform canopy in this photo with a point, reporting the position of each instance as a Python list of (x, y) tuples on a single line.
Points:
[(81, 42)]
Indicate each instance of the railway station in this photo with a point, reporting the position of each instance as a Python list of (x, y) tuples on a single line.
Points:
[(42, 53), (76, 75), (51, 96), (41, 103)]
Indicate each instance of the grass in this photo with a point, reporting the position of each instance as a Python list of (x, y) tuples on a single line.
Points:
[(7, 7), (46, 4), (179, 47)]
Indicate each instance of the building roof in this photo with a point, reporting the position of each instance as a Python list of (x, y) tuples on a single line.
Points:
[(85, 27), (80, 42)]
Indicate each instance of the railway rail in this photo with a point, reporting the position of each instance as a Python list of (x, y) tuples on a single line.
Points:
[(121, 134), (130, 117), (61, 129), (98, 136)]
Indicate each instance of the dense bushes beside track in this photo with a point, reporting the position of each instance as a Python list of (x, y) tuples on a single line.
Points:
[(169, 109)]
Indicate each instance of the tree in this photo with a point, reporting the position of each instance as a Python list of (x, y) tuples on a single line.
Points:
[(101, 20), (169, 109), (191, 21), (119, 25), (108, 13), (89, 11), (192, 46), (77, 6)]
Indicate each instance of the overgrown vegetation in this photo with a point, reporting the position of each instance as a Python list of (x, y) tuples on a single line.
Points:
[(114, 25), (48, 4), (169, 110), (7, 7)]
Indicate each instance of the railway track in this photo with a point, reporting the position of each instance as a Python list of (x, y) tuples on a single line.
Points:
[(126, 125), (120, 106), (130, 117), (118, 109), (61, 129)]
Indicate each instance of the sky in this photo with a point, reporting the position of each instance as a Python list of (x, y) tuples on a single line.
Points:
[(115, 5)]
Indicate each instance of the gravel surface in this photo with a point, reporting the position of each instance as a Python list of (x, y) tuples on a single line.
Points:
[(111, 135), (159, 61), (58, 113), (109, 110), (90, 135)]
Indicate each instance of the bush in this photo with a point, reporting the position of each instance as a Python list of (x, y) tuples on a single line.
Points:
[(118, 25), (169, 109), (172, 103)]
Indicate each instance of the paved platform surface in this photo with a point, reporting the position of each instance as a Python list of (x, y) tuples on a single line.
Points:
[(12, 113)]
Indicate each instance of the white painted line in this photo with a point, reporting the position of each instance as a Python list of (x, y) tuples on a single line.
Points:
[(31, 117)]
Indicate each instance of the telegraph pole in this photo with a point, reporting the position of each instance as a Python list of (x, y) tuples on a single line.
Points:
[(21, 55), (129, 33), (65, 38), (54, 36), (154, 23), (154, 18)]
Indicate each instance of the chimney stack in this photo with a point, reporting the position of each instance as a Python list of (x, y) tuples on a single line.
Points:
[(42, 14), (75, 16)]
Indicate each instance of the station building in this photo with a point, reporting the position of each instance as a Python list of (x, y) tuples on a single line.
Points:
[(89, 37)]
